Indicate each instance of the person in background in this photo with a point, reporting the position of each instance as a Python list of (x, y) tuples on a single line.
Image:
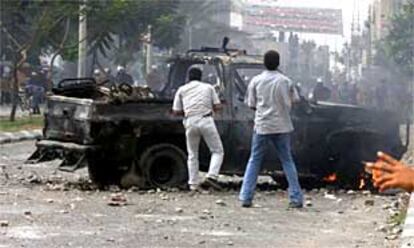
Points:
[(270, 94), (155, 80), (123, 77), (35, 89), (389, 173), (344, 93), (108, 75), (321, 92), (197, 101)]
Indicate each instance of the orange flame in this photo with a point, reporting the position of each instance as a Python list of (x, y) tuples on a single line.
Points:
[(361, 183), (330, 178)]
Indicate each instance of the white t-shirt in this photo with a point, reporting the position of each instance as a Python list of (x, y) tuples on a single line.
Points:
[(195, 99), (270, 94)]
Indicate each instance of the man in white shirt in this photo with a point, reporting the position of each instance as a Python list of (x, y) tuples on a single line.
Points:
[(197, 101), (271, 95)]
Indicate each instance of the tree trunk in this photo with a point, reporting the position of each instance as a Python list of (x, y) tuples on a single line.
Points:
[(15, 94)]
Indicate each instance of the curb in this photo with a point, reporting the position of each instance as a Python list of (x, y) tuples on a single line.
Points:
[(407, 236), (11, 137)]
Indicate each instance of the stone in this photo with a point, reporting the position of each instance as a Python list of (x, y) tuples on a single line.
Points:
[(206, 211), (4, 223), (117, 199), (308, 203), (179, 210), (391, 237), (369, 202), (382, 228), (220, 202), (350, 192)]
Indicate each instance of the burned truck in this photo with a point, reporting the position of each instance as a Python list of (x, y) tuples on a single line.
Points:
[(127, 135)]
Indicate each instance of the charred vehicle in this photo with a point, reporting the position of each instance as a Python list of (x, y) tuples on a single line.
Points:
[(127, 135)]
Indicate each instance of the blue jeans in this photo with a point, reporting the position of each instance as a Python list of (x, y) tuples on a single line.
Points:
[(257, 153)]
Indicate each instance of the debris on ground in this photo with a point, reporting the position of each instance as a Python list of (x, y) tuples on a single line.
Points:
[(4, 223), (117, 200), (329, 196), (220, 202), (369, 202)]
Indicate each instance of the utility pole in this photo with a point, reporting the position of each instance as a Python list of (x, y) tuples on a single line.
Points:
[(83, 44), (149, 51)]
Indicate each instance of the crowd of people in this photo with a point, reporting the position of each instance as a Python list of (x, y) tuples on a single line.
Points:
[(31, 88), (380, 95)]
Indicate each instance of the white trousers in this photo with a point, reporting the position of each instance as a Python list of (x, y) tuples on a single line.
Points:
[(197, 127)]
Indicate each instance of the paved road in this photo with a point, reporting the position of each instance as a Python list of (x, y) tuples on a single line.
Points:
[(42, 207)]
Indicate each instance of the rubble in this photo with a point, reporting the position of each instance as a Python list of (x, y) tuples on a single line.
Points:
[(4, 223), (369, 202), (117, 200), (220, 202), (329, 196)]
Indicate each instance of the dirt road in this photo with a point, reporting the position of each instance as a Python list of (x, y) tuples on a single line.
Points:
[(42, 207)]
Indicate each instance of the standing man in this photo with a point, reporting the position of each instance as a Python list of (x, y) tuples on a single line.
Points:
[(123, 77), (271, 95), (197, 101)]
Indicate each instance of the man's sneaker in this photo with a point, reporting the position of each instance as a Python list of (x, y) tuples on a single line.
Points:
[(246, 204), (295, 205), (211, 183)]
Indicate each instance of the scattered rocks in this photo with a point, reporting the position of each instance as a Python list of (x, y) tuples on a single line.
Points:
[(179, 210), (206, 211), (369, 202), (117, 200), (366, 192), (329, 196), (382, 228), (34, 179), (220, 203), (391, 237), (4, 223), (308, 203)]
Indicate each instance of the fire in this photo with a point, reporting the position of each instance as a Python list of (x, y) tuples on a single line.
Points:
[(361, 183), (330, 178)]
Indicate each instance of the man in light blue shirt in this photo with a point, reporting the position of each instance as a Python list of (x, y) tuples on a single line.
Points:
[(271, 95)]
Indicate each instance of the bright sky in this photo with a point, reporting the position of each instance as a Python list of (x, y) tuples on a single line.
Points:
[(347, 6)]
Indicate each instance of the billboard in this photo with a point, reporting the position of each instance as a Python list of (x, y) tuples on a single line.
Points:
[(306, 20)]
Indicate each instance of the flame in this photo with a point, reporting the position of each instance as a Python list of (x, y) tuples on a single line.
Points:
[(361, 183), (330, 178)]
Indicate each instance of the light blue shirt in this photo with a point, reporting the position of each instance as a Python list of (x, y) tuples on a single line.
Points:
[(270, 93)]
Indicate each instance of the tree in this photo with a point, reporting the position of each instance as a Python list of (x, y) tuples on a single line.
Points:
[(30, 27), (399, 43)]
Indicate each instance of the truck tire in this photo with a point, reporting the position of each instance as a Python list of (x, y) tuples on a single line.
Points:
[(164, 165)]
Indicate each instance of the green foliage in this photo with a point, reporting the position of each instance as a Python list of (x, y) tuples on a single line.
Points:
[(41, 25), (399, 43)]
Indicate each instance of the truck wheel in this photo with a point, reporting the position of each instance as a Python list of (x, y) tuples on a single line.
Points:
[(164, 165)]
